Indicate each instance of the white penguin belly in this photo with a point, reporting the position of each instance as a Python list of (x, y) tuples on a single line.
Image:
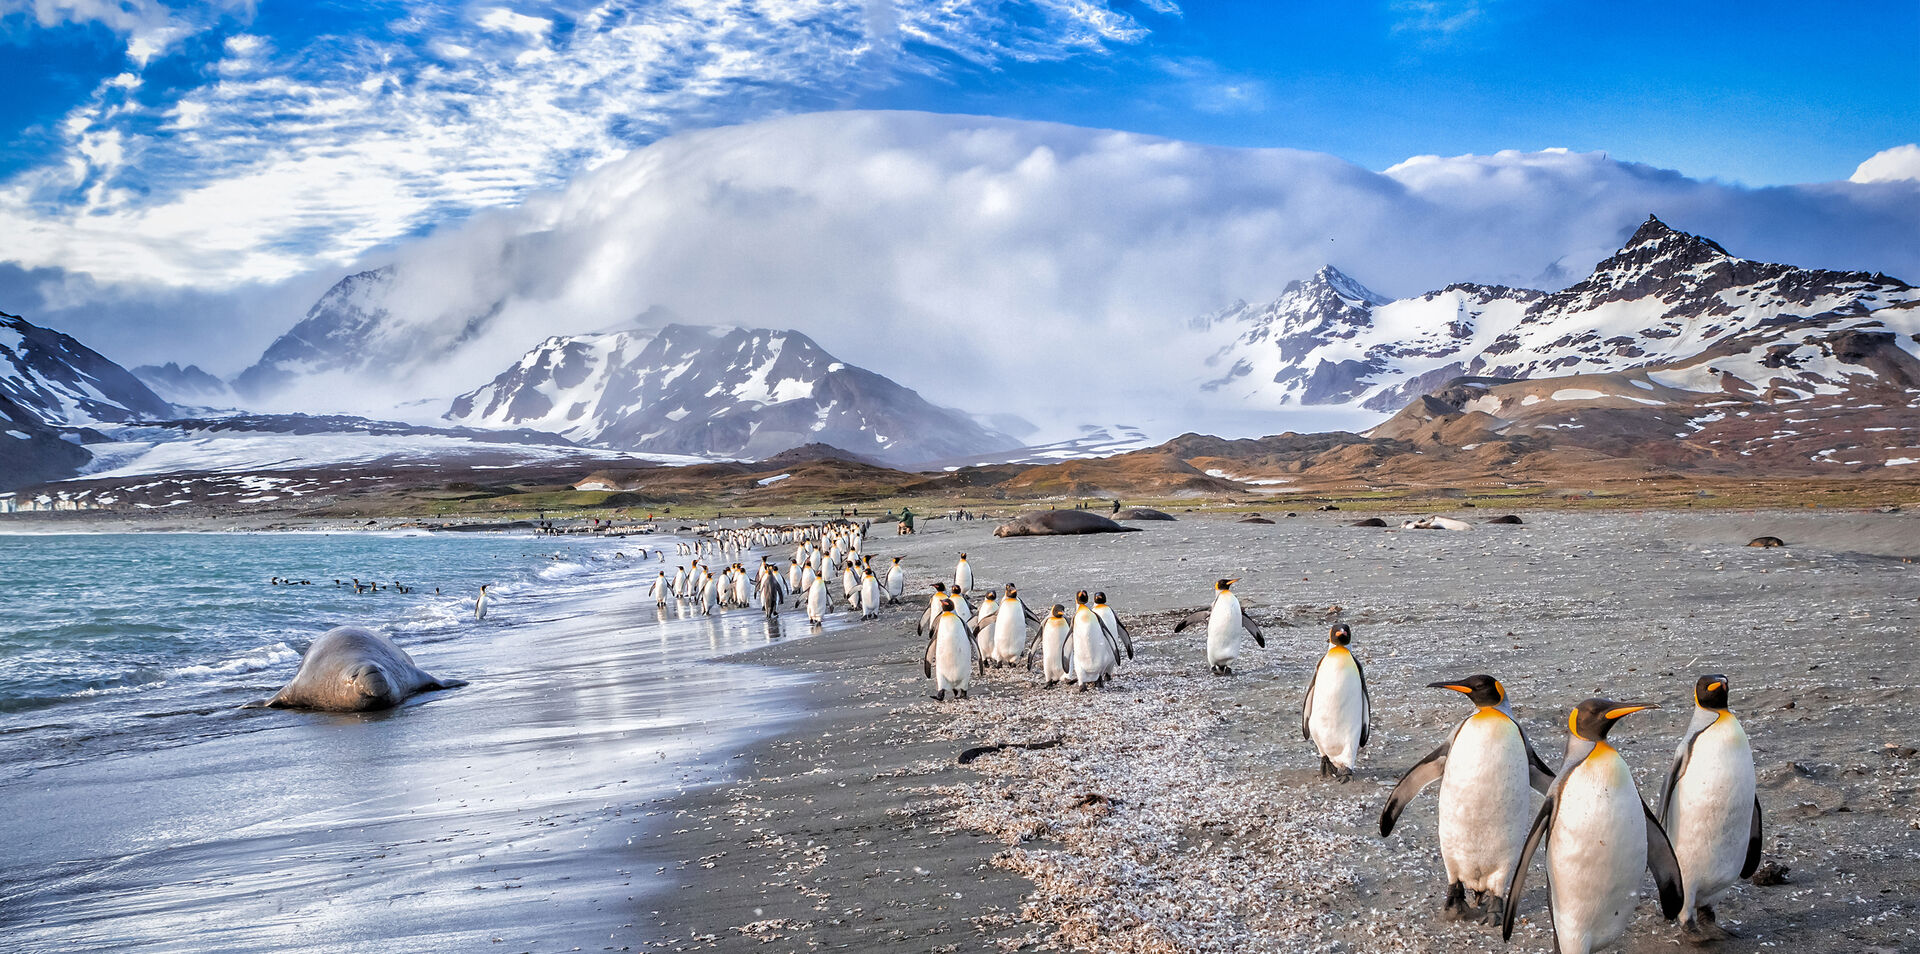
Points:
[(1092, 657), (1223, 633), (1712, 814), (1596, 855), (953, 657), (1485, 803), (1053, 655), (817, 603), (1010, 632), (1339, 710)]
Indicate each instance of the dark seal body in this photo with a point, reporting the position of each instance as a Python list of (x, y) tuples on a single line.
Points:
[(350, 669), (1767, 542), (1053, 523), (1142, 513)]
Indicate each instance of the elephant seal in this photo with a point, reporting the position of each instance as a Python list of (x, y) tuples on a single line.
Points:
[(1436, 523), (1508, 519), (1370, 522), (1254, 519), (1767, 542), (1054, 523), (350, 669), (1142, 513)]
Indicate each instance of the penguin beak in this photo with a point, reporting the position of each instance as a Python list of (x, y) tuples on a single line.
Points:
[(1456, 687), (1625, 711), (1715, 687)]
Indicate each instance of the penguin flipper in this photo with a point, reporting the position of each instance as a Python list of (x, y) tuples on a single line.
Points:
[(1663, 864), (1366, 702), (1032, 617), (1753, 843), (983, 622), (1306, 706), (1424, 772), (1539, 775), (926, 662), (1517, 881), (1197, 617), (1253, 629)]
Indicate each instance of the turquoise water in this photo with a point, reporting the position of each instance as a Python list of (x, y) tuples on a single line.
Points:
[(100, 632)]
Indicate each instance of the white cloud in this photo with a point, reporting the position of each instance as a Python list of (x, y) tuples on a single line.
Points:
[(1890, 165), (1044, 269), (292, 159)]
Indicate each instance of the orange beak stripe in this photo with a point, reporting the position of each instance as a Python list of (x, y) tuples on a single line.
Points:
[(1624, 711)]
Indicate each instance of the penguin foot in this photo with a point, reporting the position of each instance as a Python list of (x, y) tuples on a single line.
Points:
[(960, 693), (1051, 683), (1455, 907), (1344, 775), (1326, 766), (940, 696), (1496, 909), (1703, 928)]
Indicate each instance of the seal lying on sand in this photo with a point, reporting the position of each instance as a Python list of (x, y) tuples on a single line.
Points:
[(1053, 523), (1142, 513), (1256, 518), (1767, 542), (1436, 523), (1509, 519), (1370, 522), (349, 669)]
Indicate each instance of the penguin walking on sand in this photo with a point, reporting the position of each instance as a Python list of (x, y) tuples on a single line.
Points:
[(951, 654), (1008, 641), (480, 603), (1337, 710), (1487, 772), (1123, 639), (662, 587), (819, 601), (927, 619), (1709, 810), (896, 582), (963, 576), (1095, 653), (869, 595), (1600, 839), (1225, 620), (1055, 632)]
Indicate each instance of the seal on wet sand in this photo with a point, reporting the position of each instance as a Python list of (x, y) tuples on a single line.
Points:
[(350, 669), (1142, 513), (1051, 523)]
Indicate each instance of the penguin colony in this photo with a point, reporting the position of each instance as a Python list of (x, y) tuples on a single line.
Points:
[(1598, 836)]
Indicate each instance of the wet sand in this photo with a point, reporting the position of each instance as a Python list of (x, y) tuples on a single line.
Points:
[(1183, 812)]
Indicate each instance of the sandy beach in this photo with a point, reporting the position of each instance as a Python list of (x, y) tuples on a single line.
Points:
[(606, 784), (1182, 812)]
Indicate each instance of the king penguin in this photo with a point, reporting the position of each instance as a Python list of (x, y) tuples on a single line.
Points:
[(869, 594), (1710, 811), (896, 582), (1600, 840), (1055, 631), (951, 654), (1337, 709), (480, 603), (1010, 629), (1485, 768), (963, 576), (1225, 619), (1095, 653)]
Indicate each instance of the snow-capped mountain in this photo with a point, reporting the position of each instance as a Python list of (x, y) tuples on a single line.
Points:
[(335, 335), (61, 382), (186, 386), (1664, 299), (730, 392)]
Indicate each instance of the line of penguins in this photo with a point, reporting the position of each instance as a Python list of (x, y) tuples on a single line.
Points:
[(1599, 835)]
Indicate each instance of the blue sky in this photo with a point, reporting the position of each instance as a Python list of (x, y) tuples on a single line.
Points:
[(188, 176)]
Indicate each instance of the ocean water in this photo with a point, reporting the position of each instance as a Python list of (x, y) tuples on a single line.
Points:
[(108, 635)]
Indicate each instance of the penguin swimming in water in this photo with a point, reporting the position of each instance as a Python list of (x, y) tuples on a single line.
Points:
[(1055, 631), (1710, 811), (963, 576), (951, 654), (480, 603), (1485, 768), (1225, 619), (1337, 710), (1600, 838)]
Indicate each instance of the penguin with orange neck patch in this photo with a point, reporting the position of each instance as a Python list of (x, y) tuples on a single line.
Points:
[(1487, 772), (1601, 839), (1710, 811), (1337, 709)]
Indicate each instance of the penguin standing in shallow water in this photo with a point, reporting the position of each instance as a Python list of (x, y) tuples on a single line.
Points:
[(480, 604), (1487, 772), (1710, 811), (1225, 619), (1600, 837), (1337, 710)]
